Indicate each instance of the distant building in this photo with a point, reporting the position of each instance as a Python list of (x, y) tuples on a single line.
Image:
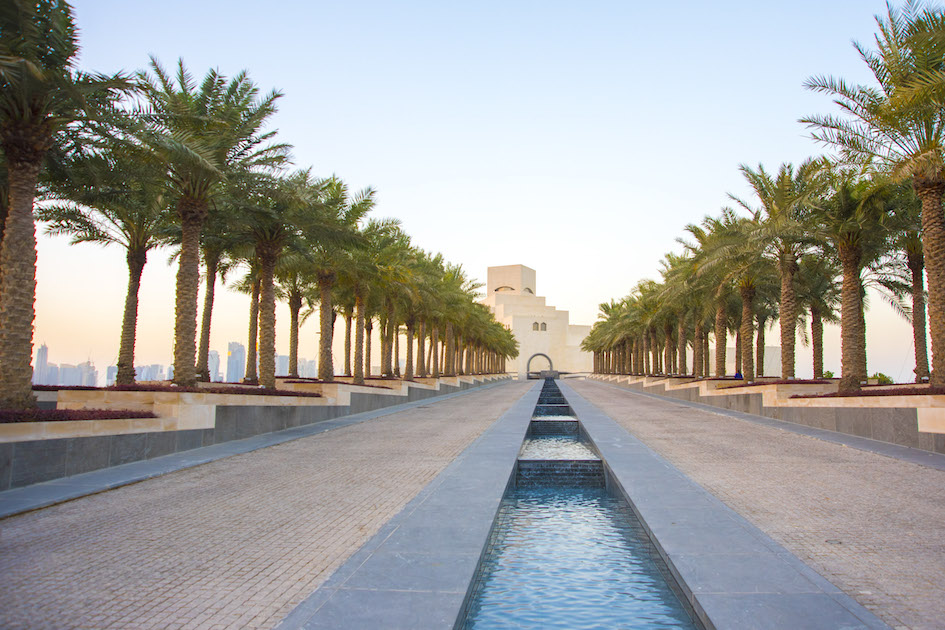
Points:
[(111, 375), (69, 375), (213, 366), (235, 362), (41, 371), (52, 374), (88, 375), (282, 365), (545, 334), (308, 368)]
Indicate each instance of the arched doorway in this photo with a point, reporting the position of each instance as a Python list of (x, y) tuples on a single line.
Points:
[(528, 366)]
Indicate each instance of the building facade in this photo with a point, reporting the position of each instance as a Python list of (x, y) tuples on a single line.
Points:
[(546, 338)]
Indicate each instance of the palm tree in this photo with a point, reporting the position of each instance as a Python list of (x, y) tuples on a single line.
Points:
[(40, 96), (783, 230), (850, 222), (903, 131), (115, 196), (361, 270), (204, 133), (330, 255), (818, 293), (293, 282)]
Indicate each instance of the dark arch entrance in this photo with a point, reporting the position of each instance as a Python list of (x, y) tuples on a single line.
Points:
[(528, 366)]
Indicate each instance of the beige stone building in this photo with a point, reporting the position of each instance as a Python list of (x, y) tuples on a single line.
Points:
[(543, 332)]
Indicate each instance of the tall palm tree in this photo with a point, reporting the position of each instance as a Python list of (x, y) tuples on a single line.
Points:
[(204, 133), (850, 222), (782, 228), (819, 294), (40, 96), (329, 255), (905, 136), (115, 196)]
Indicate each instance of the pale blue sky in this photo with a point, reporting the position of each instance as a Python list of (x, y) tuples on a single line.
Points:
[(575, 138)]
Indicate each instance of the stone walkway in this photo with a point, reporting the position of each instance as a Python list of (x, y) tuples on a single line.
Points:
[(872, 525), (236, 543)]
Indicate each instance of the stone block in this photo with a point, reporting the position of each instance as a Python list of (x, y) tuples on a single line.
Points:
[(853, 422), (37, 461), (190, 439), (128, 448), (6, 465), (85, 454), (162, 443)]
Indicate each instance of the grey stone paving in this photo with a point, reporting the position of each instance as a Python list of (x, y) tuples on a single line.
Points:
[(236, 543), (872, 525)]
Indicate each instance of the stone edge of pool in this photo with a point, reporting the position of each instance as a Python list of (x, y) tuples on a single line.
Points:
[(416, 571)]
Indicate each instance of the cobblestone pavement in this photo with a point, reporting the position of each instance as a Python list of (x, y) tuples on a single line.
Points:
[(872, 525), (236, 543)]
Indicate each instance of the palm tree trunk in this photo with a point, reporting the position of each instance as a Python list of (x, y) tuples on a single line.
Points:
[(192, 213), (251, 357), (267, 318), (849, 317), (211, 262), (326, 368), (391, 336), (459, 354), (295, 305), (681, 343), (933, 246), (435, 349), (788, 316), (348, 318), (705, 353), (916, 266), (697, 348), (126, 350), (721, 337), (747, 294), (368, 332), (817, 340), (396, 350), (18, 285), (760, 350), (359, 338), (408, 365), (421, 350), (646, 354), (449, 351)]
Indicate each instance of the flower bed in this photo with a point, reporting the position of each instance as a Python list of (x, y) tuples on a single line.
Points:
[(236, 389), (893, 391)]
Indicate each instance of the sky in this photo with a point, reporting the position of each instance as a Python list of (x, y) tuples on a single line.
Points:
[(575, 138)]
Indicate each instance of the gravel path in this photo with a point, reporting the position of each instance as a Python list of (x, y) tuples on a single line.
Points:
[(236, 543), (872, 525)]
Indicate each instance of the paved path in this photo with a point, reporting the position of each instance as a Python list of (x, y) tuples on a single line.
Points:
[(235, 543), (872, 525)]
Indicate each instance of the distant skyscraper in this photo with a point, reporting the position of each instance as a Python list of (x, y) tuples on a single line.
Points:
[(282, 365), (52, 374), (69, 375), (235, 362), (111, 375), (88, 375), (41, 371), (213, 366), (308, 368)]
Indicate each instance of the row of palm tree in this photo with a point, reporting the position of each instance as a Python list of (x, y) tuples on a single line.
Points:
[(814, 237), (158, 159)]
